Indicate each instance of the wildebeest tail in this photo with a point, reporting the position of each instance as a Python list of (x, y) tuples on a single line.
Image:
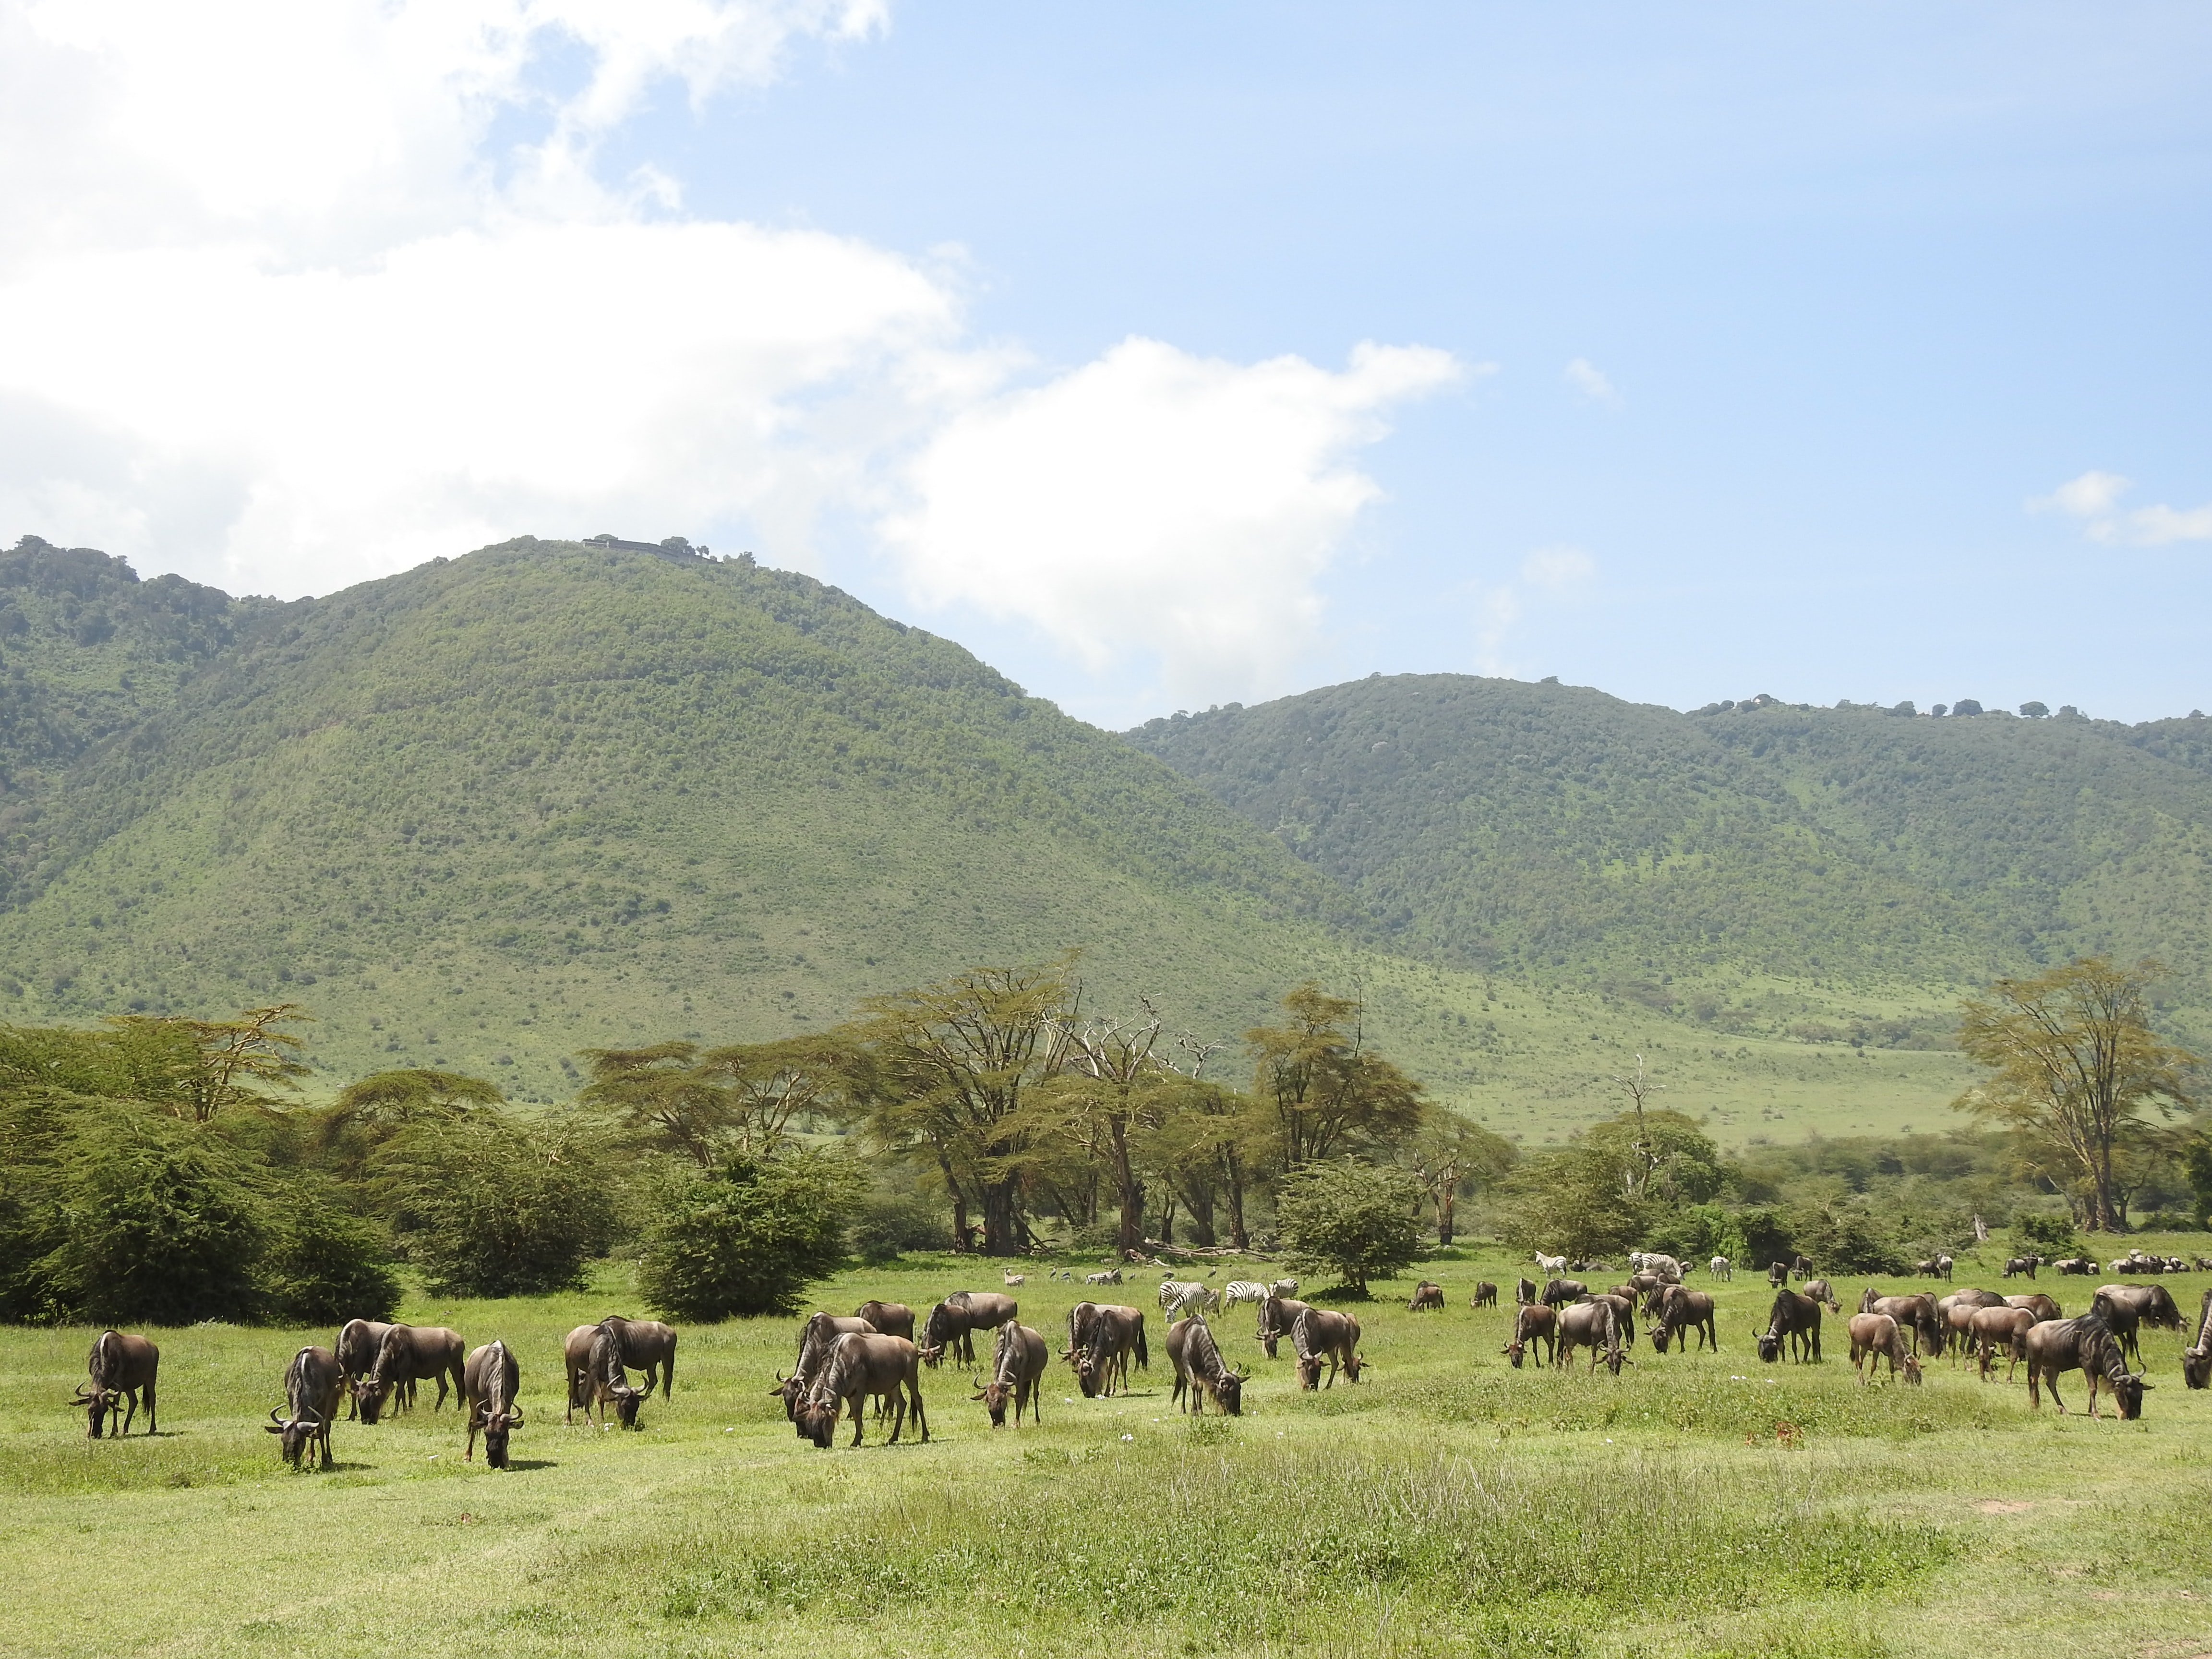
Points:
[(1144, 1354)]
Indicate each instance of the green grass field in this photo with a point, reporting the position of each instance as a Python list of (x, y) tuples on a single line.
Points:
[(1448, 1503)]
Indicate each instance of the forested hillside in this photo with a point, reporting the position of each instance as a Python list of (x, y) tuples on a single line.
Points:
[(1678, 859), (494, 810)]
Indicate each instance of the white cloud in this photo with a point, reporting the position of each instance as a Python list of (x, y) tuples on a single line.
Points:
[(1555, 573), (2095, 496), (1156, 503), (1587, 378), (292, 295)]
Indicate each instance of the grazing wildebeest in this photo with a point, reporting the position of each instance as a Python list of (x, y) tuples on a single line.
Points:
[(1917, 1313), (2037, 1303), (2020, 1264), (1276, 1314), (1777, 1274), (1797, 1318), (2080, 1264), (1594, 1325), (1198, 1361), (889, 1318), (2197, 1358), (2124, 1307), (1533, 1323), (358, 1342), (1552, 1266), (1802, 1267), (1819, 1290), (1991, 1328), (1102, 1339), (1426, 1294), (122, 1367), (859, 1367), (1874, 1336), (490, 1381), (1319, 1334), (954, 1321), (1017, 1370), (313, 1383), (1925, 1269), (1559, 1291), (591, 1355), (1524, 1292), (816, 1338), (409, 1354), (2086, 1344), (649, 1346), (1721, 1267), (1485, 1295), (1624, 1313), (1682, 1310)]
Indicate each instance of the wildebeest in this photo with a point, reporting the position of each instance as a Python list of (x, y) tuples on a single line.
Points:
[(1874, 1336), (1802, 1266), (1917, 1313), (1682, 1310), (2124, 1307), (2020, 1264), (2086, 1344), (953, 1323), (1721, 1267), (889, 1318), (1485, 1295), (1991, 1328), (2197, 1358), (1594, 1324), (1797, 1318), (1819, 1290), (1276, 1314), (649, 1346), (490, 1381), (1017, 1370), (357, 1344), (2037, 1303), (592, 1356), (1533, 1323), (122, 1367), (1200, 1367), (861, 1367), (1427, 1294), (1777, 1274), (1943, 1268), (1957, 1312), (2079, 1264), (1624, 1313), (816, 1338), (411, 1354), (1102, 1339), (313, 1383), (1319, 1334), (1524, 1292), (1559, 1291)]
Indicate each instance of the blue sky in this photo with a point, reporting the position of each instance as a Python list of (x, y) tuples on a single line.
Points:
[(1709, 351)]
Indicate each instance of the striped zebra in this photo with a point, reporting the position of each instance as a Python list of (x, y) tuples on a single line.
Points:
[(1178, 1295), (1243, 1289)]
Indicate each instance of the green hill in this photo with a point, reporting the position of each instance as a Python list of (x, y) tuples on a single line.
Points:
[(1766, 868), (553, 795)]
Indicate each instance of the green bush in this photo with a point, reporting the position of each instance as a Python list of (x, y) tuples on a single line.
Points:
[(890, 1224), (748, 1239), (323, 1265), (2046, 1234), (486, 1206), (1349, 1219)]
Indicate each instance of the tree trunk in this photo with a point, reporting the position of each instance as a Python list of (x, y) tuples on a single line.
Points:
[(1002, 1225), (1167, 1218), (1129, 1192), (1447, 1207), (1233, 1168)]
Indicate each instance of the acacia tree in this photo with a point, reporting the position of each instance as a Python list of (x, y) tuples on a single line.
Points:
[(209, 1065), (2076, 1063), (946, 1072), (662, 1092), (1329, 1097), (1108, 1094), (1447, 1156)]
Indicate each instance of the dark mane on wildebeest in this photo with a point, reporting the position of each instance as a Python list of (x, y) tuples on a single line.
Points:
[(120, 1368), (2086, 1344), (1796, 1318), (409, 1354), (952, 1323), (1198, 1361), (490, 1380), (887, 1368)]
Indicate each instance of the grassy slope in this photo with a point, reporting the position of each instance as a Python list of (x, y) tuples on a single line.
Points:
[(1447, 1504), (1758, 871)]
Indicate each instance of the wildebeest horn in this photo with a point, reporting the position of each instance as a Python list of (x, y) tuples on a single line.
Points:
[(80, 1393), (514, 1417), (274, 1416)]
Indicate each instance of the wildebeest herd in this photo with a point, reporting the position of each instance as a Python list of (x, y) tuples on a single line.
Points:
[(874, 1354)]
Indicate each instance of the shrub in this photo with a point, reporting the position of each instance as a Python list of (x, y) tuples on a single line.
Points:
[(1349, 1219), (322, 1264), (488, 1207), (889, 1223), (2046, 1234), (747, 1238)]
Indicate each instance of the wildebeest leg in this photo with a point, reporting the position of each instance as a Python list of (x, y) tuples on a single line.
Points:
[(469, 1452), (323, 1434)]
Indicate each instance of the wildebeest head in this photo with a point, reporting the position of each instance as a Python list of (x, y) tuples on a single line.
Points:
[(1230, 1391), (495, 1426), (1659, 1339), (369, 1394), (97, 1402), (818, 1422), (2127, 1394), (2197, 1367), (1090, 1371), (1309, 1370), (1354, 1364), (1911, 1369), (297, 1433), (1514, 1350), (994, 1395), (1769, 1347), (791, 1391)]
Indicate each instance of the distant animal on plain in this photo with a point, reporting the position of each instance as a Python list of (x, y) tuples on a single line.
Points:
[(1721, 1267), (889, 1318), (120, 1368), (1016, 1369), (1485, 1295), (1426, 1295), (490, 1383), (313, 1383)]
